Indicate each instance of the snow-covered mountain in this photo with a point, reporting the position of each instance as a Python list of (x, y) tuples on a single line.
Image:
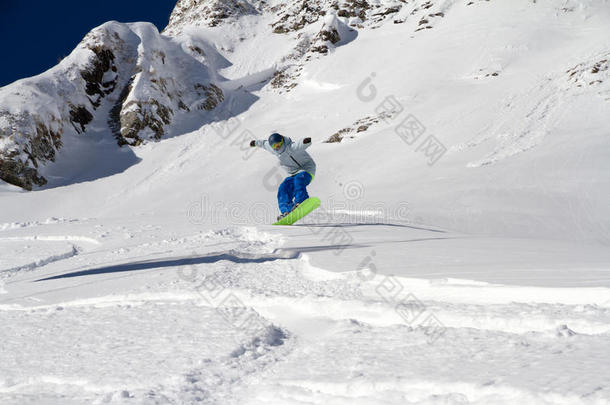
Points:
[(460, 254), (123, 79)]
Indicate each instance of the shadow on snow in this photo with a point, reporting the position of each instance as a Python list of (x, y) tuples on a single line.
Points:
[(231, 256)]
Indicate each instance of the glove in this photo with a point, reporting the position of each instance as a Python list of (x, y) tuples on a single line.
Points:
[(252, 144), (307, 140)]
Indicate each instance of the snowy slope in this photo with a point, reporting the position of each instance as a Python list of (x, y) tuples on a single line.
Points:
[(480, 275)]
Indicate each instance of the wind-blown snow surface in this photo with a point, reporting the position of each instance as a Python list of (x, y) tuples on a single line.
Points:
[(483, 278)]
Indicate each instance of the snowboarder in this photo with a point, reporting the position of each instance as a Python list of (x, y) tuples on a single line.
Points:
[(299, 165)]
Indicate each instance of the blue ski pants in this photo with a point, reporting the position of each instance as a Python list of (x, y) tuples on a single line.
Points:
[(293, 191)]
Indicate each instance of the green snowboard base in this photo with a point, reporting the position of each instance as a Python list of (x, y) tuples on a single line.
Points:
[(299, 212)]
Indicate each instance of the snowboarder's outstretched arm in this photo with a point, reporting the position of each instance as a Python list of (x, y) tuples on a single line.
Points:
[(261, 144), (301, 144)]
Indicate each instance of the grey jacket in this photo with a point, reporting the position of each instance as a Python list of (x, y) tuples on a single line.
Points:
[(292, 155)]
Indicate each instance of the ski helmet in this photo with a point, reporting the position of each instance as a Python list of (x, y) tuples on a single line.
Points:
[(276, 141)]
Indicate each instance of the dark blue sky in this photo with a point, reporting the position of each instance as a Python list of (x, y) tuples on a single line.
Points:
[(36, 33)]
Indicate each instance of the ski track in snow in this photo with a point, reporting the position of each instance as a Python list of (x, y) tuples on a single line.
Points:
[(49, 221), (57, 251), (69, 238), (297, 351), (42, 262)]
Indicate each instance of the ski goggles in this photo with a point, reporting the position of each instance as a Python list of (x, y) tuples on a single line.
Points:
[(278, 145)]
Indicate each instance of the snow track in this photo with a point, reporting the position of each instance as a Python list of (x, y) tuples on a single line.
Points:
[(41, 262), (167, 355), (53, 238), (258, 322)]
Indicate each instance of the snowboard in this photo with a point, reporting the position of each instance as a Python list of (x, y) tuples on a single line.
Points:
[(299, 212)]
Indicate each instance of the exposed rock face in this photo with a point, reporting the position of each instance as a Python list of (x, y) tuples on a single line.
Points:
[(329, 35), (34, 113), (299, 14), (209, 13), (358, 126), (124, 75), (23, 152), (98, 84), (287, 16), (211, 95), (138, 116), (593, 73), (163, 81), (333, 32)]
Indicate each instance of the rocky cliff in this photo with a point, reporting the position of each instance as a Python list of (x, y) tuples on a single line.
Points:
[(127, 78)]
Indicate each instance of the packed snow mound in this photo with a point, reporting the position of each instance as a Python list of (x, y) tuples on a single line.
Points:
[(127, 78)]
